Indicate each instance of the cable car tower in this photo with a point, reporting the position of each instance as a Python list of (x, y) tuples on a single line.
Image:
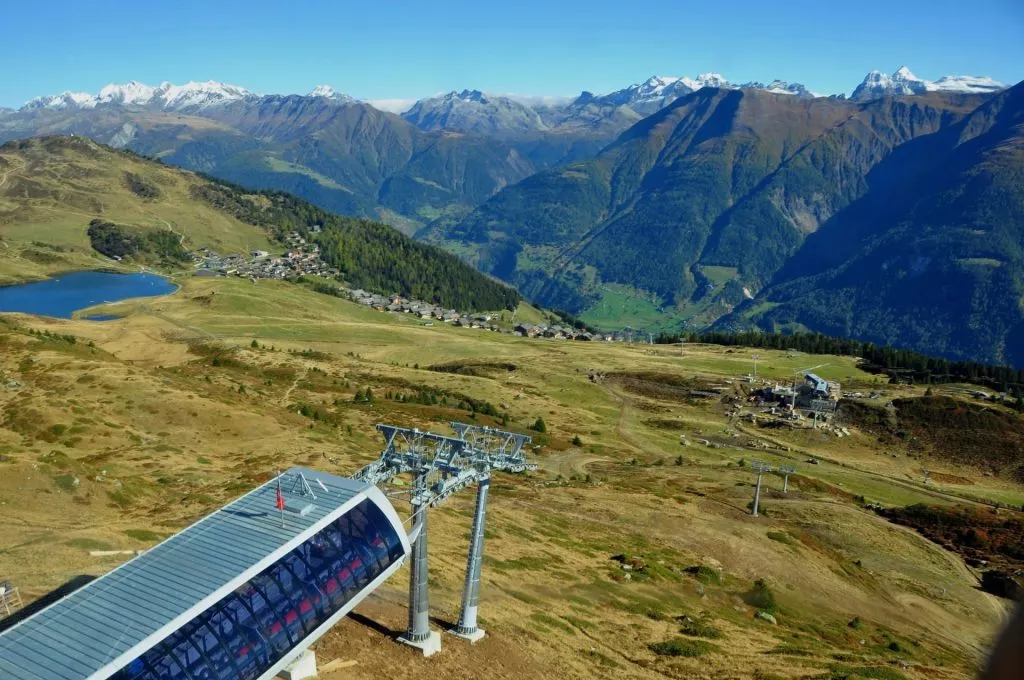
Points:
[(440, 467)]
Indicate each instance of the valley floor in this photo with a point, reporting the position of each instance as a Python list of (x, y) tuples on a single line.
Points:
[(141, 425)]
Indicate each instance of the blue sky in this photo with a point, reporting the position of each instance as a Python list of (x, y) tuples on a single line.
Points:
[(376, 49)]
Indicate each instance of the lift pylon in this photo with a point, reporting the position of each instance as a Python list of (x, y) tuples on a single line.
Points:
[(489, 449), (418, 633), (760, 468), (441, 466)]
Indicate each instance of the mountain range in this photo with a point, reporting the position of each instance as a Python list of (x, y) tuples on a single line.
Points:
[(896, 220), (669, 201), (903, 82)]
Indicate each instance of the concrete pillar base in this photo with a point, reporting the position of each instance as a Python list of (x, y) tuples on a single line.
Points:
[(474, 637), (300, 669), (430, 646)]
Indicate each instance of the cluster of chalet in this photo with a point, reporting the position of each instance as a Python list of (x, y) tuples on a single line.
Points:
[(424, 310), (301, 258), (430, 313), (556, 332)]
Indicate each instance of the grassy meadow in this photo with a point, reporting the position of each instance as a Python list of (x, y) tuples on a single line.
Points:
[(629, 554)]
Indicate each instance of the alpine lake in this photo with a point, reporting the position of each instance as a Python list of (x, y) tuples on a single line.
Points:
[(65, 294)]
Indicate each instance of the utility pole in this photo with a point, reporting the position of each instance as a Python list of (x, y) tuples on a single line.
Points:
[(467, 628), (760, 468), (756, 357)]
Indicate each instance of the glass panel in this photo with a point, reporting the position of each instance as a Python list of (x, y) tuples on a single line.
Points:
[(244, 634)]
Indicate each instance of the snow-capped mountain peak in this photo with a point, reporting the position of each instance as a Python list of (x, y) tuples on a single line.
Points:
[(903, 82), (706, 80), (198, 94), (64, 100), (655, 85), (132, 92), (904, 73), (781, 87), (655, 92), (468, 96), (322, 91), (166, 96), (968, 84), (328, 92)]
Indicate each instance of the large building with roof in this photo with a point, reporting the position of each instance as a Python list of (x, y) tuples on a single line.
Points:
[(238, 595)]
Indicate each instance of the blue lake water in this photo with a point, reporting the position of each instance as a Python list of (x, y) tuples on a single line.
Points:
[(62, 295)]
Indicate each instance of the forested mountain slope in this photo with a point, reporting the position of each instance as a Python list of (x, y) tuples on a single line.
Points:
[(699, 207), (932, 257)]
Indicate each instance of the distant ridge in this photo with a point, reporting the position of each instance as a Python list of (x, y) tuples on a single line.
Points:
[(644, 97)]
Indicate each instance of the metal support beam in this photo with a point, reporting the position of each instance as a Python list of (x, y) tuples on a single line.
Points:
[(786, 471), (757, 492), (418, 634), (467, 626), (760, 468)]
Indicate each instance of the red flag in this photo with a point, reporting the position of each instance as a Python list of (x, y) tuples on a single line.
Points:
[(280, 498)]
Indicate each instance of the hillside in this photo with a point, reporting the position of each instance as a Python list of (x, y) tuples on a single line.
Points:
[(932, 257), (143, 424), (62, 196), (946, 429), (702, 206)]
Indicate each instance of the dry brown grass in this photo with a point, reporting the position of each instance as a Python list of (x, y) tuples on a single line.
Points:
[(156, 436)]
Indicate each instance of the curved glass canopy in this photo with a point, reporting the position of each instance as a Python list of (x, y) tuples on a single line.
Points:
[(248, 631)]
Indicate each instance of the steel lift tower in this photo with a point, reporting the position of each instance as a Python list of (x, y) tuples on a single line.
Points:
[(489, 449), (760, 468), (441, 466), (424, 455), (786, 471)]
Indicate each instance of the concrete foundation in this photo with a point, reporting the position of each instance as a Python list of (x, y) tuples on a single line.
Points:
[(300, 669), (430, 645), (476, 636)]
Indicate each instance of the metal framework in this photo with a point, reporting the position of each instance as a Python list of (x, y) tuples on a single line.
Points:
[(760, 467), (440, 467), (10, 598)]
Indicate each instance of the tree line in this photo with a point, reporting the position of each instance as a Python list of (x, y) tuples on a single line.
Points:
[(370, 255), (901, 365)]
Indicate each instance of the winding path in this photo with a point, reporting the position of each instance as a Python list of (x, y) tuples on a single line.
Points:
[(295, 383), (170, 228), (7, 172)]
